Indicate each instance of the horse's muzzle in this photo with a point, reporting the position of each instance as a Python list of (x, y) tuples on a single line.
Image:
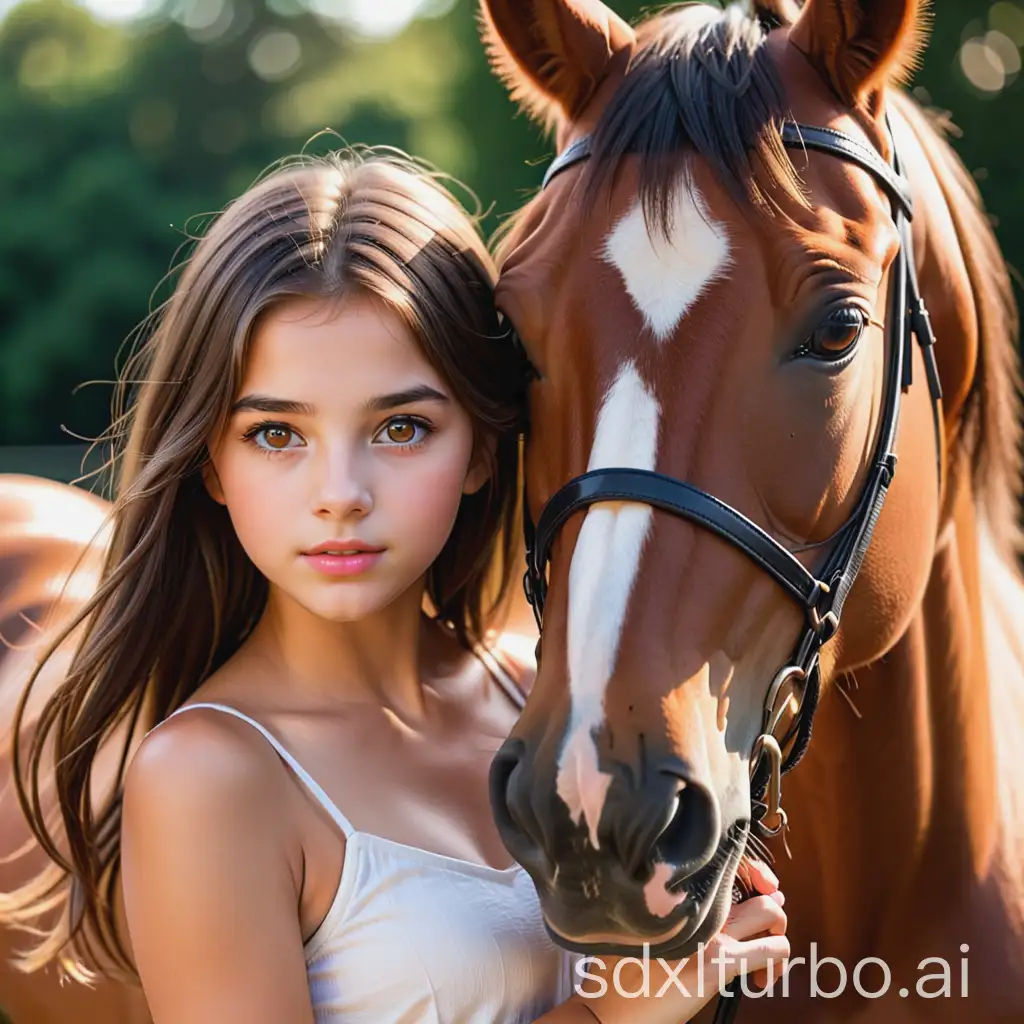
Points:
[(658, 864)]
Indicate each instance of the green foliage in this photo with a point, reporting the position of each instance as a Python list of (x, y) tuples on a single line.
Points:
[(116, 139), (117, 142)]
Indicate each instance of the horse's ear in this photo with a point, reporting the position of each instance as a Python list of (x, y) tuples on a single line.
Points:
[(862, 46), (553, 54)]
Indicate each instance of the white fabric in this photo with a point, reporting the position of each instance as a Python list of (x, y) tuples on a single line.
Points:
[(414, 937)]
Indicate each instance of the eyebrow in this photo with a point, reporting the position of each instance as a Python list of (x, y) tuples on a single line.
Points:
[(419, 393), (264, 403), (267, 403)]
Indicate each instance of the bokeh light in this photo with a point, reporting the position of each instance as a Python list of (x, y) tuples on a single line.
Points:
[(990, 59), (275, 54), (371, 19), (1008, 18)]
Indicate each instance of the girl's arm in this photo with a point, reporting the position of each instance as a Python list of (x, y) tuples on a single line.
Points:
[(210, 887)]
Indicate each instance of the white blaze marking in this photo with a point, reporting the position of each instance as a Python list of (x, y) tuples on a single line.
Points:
[(657, 898), (601, 576), (665, 278)]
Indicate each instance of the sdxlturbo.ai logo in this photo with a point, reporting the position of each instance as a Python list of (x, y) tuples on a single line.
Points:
[(871, 977)]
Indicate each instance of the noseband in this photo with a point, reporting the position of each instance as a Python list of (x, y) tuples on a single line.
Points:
[(822, 594)]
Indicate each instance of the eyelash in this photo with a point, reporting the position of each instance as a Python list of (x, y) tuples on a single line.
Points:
[(249, 437)]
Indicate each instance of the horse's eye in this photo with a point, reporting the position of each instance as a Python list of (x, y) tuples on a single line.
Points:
[(836, 337)]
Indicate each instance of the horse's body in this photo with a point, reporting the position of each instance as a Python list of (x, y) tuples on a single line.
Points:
[(907, 813), (45, 529)]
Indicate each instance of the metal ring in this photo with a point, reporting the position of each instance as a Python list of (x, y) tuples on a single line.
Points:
[(770, 720)]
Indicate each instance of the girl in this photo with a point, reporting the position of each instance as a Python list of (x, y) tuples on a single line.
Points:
[(313, 535)]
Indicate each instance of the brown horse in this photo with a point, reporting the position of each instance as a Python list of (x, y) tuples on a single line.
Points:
[(706, 304), (46, 530), (722, 361)]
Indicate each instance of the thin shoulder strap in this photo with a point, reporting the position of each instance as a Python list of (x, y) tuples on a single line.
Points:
[(311, 784), (501, 676)]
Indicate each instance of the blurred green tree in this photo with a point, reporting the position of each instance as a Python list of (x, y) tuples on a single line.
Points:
[(124, 139)]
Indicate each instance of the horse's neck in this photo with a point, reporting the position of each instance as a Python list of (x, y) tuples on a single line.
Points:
[(906, 808)]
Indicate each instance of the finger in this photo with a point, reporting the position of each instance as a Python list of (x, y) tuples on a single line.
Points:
[(757, 876), (755, 916), (756, 955), (766, 978)]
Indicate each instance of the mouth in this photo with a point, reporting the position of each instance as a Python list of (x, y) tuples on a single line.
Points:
[(337, 548), (342, 558), (703, 904), (703, 884)]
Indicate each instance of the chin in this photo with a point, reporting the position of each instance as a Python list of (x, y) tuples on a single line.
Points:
[(348, 610), (625, 927)]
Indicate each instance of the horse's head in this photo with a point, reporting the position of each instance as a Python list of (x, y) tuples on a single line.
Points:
[(705, 302)]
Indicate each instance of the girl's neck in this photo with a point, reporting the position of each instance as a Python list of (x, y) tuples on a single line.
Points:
[(381, 658)]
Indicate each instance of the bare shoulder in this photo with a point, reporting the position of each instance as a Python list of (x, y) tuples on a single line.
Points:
[(204, 768), (517, 653), (209, 877), (199, 788)]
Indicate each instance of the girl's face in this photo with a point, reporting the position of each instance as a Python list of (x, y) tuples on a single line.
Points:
[(342, 439)]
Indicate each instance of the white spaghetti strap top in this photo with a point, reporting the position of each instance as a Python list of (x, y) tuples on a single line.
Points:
[(415, 937), (311, 784)]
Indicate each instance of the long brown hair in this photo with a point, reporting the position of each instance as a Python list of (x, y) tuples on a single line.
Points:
[(178, 595)]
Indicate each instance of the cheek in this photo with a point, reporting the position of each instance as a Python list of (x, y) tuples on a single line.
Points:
[(811, 449), (427, 492), (257, 501), (899, 561)]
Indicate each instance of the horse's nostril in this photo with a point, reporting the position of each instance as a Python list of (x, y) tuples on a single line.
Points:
[(690, 838)]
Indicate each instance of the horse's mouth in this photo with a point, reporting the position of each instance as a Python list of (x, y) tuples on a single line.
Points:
[(698, 916), (702, 886)]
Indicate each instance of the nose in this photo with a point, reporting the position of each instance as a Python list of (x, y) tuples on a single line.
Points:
[(342, 485), (661, 814)]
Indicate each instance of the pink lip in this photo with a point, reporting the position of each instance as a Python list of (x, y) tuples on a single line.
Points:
[(342, 565)]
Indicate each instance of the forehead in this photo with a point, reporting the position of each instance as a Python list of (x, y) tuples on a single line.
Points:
[(562, 241), (615, 252), (315, 346)]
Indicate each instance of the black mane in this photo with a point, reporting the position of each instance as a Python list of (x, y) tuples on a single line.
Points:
[(701, 82)]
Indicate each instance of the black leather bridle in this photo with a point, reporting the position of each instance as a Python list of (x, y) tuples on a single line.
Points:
[(822, 594)]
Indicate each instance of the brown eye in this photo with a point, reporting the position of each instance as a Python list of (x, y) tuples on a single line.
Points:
[(404, 432), (277, 437), (401, 431), (274, 437), (836, 337)]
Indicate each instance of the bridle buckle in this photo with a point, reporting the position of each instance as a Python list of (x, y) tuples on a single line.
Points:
[(773, 819), (824, 626)]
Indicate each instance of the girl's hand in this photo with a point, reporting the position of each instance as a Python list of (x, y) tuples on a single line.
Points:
[(758, 877), (752, 938), (754, 933)]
